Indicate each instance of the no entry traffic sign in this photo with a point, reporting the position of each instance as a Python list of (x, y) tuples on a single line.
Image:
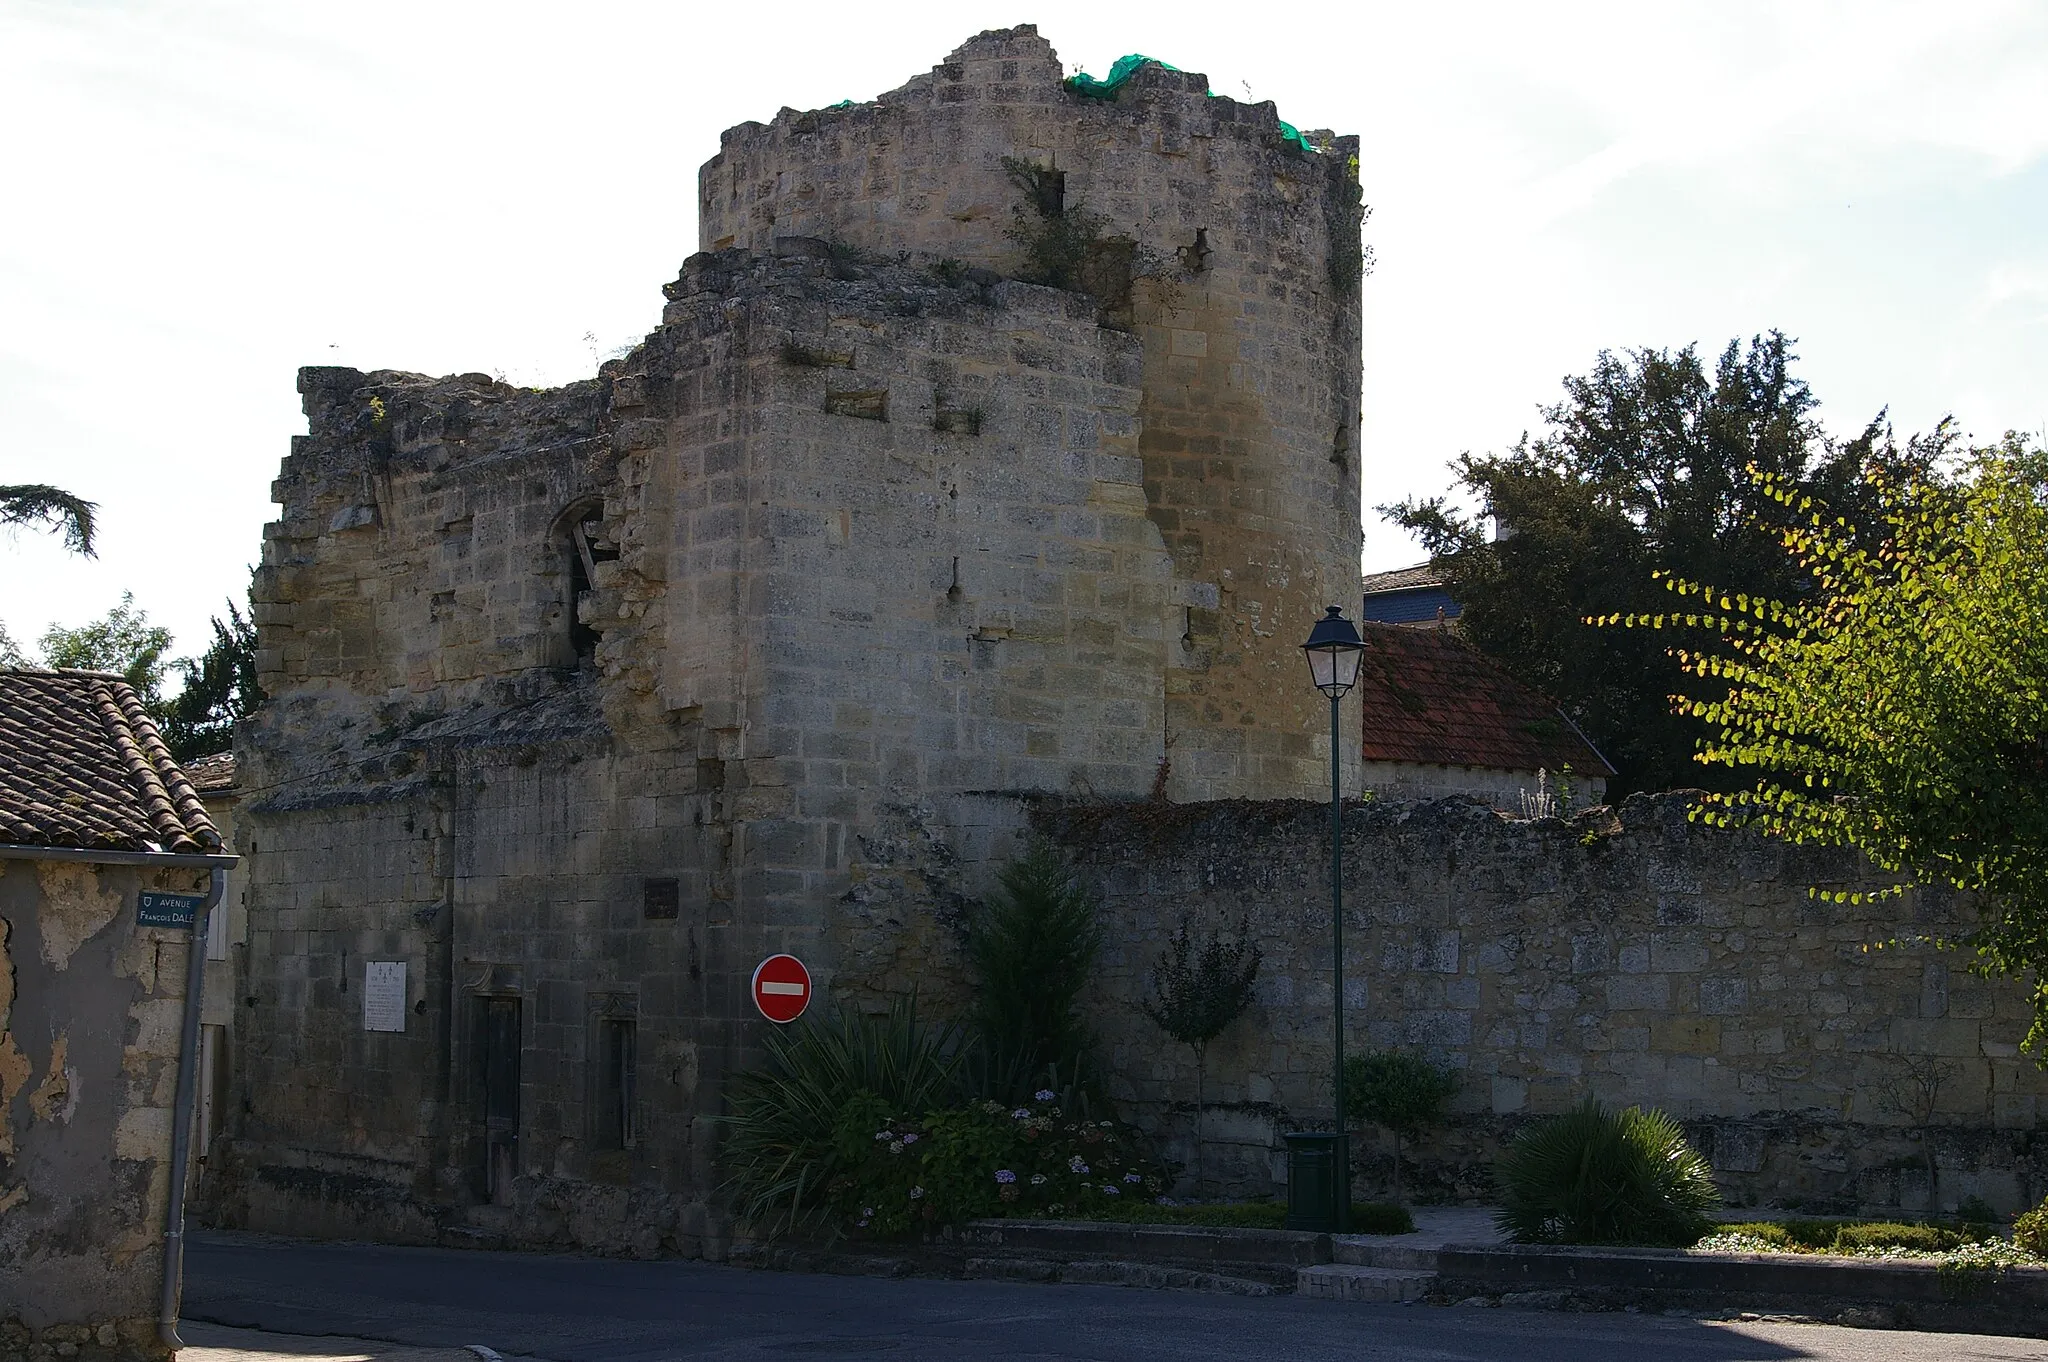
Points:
[(782, 988)]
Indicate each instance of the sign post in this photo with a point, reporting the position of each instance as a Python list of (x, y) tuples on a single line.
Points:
[(782, 988)]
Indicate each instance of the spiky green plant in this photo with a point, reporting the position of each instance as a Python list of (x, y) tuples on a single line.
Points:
[(1595, 1176), (778, 1152)]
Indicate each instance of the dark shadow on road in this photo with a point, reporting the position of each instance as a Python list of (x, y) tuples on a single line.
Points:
[(572, 1309)]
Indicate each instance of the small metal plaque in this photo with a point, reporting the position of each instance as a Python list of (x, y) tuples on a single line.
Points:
[(661, 900), (167, 910)]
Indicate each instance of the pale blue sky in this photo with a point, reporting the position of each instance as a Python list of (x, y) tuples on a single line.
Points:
[(204, 196)]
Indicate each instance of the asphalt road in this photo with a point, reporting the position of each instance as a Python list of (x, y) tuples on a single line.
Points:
[(571, 1309)]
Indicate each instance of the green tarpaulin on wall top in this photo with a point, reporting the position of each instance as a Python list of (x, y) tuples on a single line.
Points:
[(1081, 83)]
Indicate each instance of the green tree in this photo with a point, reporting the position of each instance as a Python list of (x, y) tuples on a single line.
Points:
[(1900, 705), (1640, 471), (124, 641), (1197, 992), (1031, 946), (219, 690), (39, 504), (10, 652), (1400, 1092)]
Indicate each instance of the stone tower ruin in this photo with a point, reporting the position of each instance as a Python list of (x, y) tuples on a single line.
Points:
[(999, 443)]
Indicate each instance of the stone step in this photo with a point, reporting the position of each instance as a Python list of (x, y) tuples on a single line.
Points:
[(1188, 1244), (1117, 1273), (1350, 1282), (1380, 1251)]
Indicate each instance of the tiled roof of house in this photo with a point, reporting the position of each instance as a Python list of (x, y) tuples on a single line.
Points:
[(83, 767), (214, 775), (1428, 696), (1403, 579)]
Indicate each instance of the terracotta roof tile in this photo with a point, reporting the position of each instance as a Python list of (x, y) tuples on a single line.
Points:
[(1428, 696), (82, 766)]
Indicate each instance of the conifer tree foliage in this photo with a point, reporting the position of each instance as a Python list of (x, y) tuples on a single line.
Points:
[(1899, 706), (219, 691), (1031, 946), (39, 504), (1198, 990), (1641, 470)]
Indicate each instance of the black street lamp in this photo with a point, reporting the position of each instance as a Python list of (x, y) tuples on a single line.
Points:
[(1334, 652)]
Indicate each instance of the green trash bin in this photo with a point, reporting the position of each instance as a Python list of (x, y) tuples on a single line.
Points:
[(1318, 1181)]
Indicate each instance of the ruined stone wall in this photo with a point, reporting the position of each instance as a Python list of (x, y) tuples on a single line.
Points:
[(584, 700), (1638, 958), (873, 541), (91, 1007), (1243, 261)]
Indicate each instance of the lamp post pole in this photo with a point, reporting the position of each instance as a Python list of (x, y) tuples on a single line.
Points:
[(1342, 1210), (1334, 651)]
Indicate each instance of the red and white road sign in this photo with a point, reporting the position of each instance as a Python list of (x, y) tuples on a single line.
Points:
[(782, 988)]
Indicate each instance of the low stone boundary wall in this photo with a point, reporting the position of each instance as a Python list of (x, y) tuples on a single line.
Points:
[(1848, 1290), (1626, 953)]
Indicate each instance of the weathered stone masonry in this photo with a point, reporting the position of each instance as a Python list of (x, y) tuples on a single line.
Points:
[(584, 700), (1634, 956)]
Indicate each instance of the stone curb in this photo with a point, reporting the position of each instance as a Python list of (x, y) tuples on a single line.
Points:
[(1181, 1243), (1852, 1290)]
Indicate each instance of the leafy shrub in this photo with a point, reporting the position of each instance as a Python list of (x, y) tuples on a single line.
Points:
[(1763, 1231), (780, 1148), (896, 1173), (1975, 1210), (1850, 1237), (1926, 1238), (2030, 1230), (1594, 1176), (1812, 1236), (1031, 946), (1398, 1090)]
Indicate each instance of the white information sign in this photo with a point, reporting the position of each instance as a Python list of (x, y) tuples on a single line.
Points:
[(384, 995)]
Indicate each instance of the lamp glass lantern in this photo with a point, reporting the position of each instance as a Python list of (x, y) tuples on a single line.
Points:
[(1334, 652)]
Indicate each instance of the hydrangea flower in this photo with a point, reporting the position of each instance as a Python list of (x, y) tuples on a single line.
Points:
[(895, 1146), (909, 1138), (1038, 1179), (1134, 1177), (1044, 1095), (916, 1192), (885, 1134), (1021, 1114), (1110, 1189), (1077, 1164), (1005, 1175)]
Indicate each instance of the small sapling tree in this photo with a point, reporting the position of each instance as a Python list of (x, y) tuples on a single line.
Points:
[(1198, 990), (1402, 1092)]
